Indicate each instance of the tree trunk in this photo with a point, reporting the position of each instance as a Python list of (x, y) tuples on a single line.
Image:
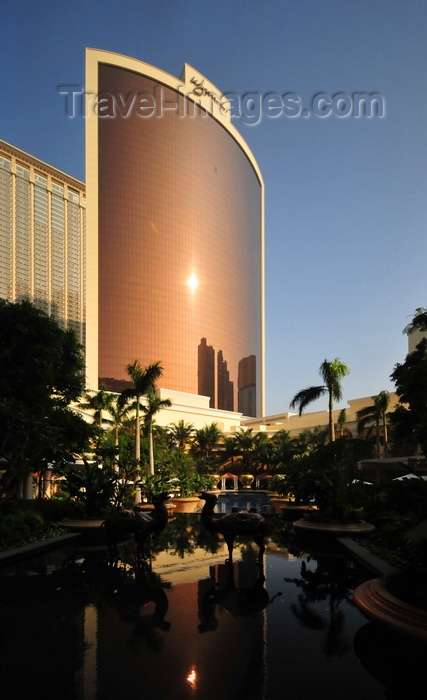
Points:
[(137, 498), (378, 439), (116, 445), (151, 448), (385, 436), (331, 419)]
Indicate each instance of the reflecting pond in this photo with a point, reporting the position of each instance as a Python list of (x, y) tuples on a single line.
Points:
[(78, 626), (244, 500)]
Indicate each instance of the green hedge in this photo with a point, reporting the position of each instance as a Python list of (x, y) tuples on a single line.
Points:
[(51, 510), (24, 522)]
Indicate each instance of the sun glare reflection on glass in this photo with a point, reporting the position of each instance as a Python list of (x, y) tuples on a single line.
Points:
[(192, 282)]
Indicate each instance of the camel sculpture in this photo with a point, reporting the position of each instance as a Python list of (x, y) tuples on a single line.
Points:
[(138, 523), (234, 524)]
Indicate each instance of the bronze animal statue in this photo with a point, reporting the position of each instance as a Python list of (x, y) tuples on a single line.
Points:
[(234, 524), (138, 523)]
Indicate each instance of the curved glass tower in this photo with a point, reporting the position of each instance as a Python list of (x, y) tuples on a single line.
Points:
[(175, 235)]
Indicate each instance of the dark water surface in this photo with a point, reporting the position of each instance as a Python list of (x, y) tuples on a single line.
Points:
[(77, 626)]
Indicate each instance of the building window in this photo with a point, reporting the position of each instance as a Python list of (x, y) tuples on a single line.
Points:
[(73, 196), (40, 180), (6, 164), (22, 172), (57, 189)]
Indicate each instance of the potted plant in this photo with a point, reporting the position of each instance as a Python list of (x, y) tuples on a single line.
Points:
[(153, 486), (294, 492), (329, 473), (280, 492), (187, 484), (188, 488), (92, 484)]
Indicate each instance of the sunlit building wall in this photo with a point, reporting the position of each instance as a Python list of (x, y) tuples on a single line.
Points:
[(42, 238), (415, 338), (295, 424), (175, 256)]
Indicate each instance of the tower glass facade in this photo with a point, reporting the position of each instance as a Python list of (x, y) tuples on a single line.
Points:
[(180, 238)]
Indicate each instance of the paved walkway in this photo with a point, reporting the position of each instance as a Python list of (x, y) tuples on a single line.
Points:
[(378, 566), (80, 525), (36, 547)]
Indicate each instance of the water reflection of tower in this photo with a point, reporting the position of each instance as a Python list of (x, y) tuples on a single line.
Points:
[(247, 386), (214, 380), (206, 371), (215, 384), (225, 386)]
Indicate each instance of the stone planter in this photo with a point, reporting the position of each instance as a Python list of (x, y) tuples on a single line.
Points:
[(148, 507), (292, 512), (91, 531), (186, 504), (378, 605), (304, 526), (278, 502)]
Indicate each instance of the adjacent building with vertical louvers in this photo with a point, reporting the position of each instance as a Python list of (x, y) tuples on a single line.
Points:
[(42, 238)]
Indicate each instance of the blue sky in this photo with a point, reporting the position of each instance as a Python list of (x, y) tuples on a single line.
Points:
[(346, 205)]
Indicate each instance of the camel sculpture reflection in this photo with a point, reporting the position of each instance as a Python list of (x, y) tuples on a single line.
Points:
[(240, 601), (138, 523), (142, 603)]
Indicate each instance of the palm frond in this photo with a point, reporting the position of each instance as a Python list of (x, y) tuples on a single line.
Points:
[(125, 396), (418, 323), (368, 412), (365, 416), (332, 372), (306, 396), (382, 401)]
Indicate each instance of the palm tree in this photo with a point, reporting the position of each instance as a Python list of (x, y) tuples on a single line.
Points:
[(309, 440), (204, 443), (98, 403), (181, 434), (262, 451), (231, 450), (153, 405), (119, 415), (284, 449), (144, 380), (331, 372), (378, 414), (246, 443)]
